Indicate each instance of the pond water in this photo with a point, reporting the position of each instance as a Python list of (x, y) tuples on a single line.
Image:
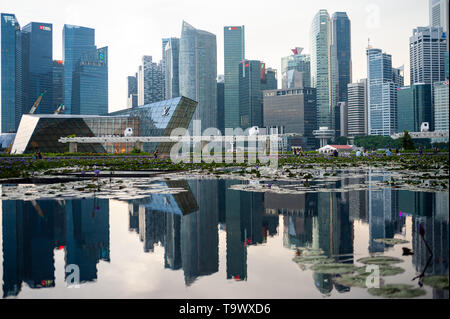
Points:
[(211, 241)]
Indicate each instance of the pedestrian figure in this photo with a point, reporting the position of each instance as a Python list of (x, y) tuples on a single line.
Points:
[(335, 153), (420, 150), (156, 154)]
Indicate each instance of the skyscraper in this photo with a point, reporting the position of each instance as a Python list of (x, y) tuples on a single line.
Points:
[(37, 50), (296, 70), (250, 104), (164, 42), (221, 104), (439, 14), (441, 102), (90, 83), (76, 41), (198, 72), (320, 67), (357, 109), (382, 94), (58, 83), (10, 72), (341, 54), (132, 95), (413, 107), (150, 82), (234, 54), (172, 79)]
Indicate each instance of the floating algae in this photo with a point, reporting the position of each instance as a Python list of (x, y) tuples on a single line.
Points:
[(385, 270), (354, 280), (391, 241), (333, 268), (312, 260), (380, 260), (397, 291), (440, 282)]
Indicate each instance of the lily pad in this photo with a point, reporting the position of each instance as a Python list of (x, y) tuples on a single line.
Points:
[(397, 291), (359, 280), (385, 270), (380, 260), (440, 282), (333, 268), (312, 259), (391, 241)]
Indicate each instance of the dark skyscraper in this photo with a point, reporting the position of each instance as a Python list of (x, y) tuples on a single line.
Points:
[(234, 54), (132, 99), (38, 66), (341, 54), (90, 84), (10, 72), (221, 105), (250, 104), (76, 41)]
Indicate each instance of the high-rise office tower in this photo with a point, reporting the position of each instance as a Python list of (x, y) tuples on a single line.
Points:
[(90, 83), (382, 94), (10, 72), (76, 42), (269, 79), (172, 79), (221, 104), (132, 95), (357, 109), (250, 104), (234, 54), (150, 82), (413, 107), (320, 68), (164, 42), (427, 47), (441, 103), (296, 70), (58, 83), (37, 50), (397, 77), (439, 14), (198, 72), (341, 54)]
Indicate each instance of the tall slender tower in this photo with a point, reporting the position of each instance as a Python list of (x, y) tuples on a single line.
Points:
[(198, 72), (321, 67), (234, 54)]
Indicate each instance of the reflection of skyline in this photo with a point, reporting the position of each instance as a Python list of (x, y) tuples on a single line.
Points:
[(186, 225), (33, 230)]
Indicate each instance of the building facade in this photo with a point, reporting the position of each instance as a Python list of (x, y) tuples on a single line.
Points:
[(382, 94), (90, 84), (320, 68), (293, 109), (198, 72), (150, 82), (234, 54), (439, 13), (132, 91), (296, 70), (76, 42), (250, 104), (221, 104), (172, 79), (441, 106), (10, 72), (58, 83), (413, 107), (357, 109)]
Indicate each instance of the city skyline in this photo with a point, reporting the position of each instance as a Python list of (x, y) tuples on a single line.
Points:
[(152, 21)]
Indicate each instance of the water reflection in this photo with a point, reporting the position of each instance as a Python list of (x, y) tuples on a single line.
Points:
[(187, 226)]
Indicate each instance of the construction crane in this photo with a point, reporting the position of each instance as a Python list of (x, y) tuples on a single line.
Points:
[(32, 110), (60, 109), (36, 103)]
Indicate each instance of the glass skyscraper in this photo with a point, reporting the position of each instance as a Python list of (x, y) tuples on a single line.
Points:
[(341, 55), (150, 81), (250, 97), (234, 54), (132, 100), (58, 83), (90, 84), (76, 41), (382, 94), (37, 50), (296, 70), (413, 107), (10, 72), (320, 67), (198, 72), (172, 79)]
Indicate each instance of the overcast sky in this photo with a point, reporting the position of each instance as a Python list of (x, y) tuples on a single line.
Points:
[(134, 28)]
